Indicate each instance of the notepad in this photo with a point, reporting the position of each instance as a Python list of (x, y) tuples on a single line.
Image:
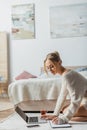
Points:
[(59, 126)]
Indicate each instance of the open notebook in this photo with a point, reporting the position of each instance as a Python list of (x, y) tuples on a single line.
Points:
[(59, 126)]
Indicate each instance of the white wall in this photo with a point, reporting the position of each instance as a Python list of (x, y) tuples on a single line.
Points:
[(29, 54)]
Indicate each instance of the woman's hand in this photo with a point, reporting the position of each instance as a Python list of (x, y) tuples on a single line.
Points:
[(48, 117), (55, 120)]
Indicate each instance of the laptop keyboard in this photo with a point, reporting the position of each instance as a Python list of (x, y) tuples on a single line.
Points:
[(33, 119)]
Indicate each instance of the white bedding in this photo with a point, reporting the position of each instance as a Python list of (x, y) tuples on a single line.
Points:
[(34, 89)]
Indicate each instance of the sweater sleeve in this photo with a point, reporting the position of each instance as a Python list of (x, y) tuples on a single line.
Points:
[(74, 105), (71, 110), (61, 99)]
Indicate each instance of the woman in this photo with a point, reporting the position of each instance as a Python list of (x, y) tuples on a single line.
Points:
[(72, 83)]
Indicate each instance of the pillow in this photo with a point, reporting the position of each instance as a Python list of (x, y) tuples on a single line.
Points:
[(25, 75), (80, 69), (84, 73)]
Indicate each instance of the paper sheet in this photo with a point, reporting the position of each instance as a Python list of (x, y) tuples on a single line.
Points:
[(59, 126)]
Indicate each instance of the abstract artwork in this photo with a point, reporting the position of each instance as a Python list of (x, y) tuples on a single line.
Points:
[(68, 21), (23, 21)]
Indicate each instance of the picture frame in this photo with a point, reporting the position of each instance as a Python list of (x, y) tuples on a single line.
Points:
[(68, 21), (23, 21)]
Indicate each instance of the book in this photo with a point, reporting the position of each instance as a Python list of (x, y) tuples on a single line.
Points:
[(59, 126)]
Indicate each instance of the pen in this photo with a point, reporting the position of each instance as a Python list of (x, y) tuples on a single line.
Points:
[(33, 125)]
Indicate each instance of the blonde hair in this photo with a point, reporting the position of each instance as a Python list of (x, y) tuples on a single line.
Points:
[(54, 57)]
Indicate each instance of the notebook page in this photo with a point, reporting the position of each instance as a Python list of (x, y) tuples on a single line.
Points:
[(59, 126)]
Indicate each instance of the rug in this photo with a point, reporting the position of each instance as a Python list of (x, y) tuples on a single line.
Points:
[(15, 122)]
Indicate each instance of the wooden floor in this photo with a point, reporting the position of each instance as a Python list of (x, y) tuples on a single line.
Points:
[(38, 105), (5, 113)]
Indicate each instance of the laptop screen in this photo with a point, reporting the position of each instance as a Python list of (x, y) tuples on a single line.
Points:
[(30, 117)]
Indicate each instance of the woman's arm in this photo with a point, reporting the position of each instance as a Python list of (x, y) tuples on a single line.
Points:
[(61, 99), (74, 105)]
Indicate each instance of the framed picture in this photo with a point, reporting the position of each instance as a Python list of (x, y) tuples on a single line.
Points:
[(23, 21), (68, 21)]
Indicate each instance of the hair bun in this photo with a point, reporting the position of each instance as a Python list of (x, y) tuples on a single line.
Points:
[(56, 52)]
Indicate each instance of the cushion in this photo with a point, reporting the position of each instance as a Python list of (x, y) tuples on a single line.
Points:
[(25, 75), (80, 69), (84, 73)]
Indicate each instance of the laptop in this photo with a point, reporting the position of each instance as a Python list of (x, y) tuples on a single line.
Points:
[(29, 119)]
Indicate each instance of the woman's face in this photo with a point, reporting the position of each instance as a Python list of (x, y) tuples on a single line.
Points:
[(50, 66)]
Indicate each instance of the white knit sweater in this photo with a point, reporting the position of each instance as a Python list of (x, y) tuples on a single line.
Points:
[(76, 85)]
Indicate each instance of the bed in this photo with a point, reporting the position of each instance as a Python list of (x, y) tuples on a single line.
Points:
[(38, 88), (34, 89)]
